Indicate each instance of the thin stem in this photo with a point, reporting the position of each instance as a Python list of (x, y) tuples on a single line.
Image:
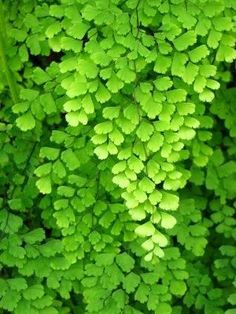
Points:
[(3, 61)]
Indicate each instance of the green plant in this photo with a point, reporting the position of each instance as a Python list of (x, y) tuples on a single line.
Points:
[(117, 156)]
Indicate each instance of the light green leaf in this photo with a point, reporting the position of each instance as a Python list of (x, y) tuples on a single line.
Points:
[(126, 75), (121, 180), (145, 230), (49, 153), (101, 151), (185, 40), (26, 122), (163, 83), (114, 84), (162, 64), (43, 170), (53, 29), (159, 239), (146, 185), (144, 131), (135, 164), (167, 221), (44, 185), (111, 113), (102, 95), (176, 95), (155, 142), (198, 53), (169, 201)]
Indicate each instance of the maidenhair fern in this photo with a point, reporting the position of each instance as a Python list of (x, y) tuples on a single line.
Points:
[(117, 159)]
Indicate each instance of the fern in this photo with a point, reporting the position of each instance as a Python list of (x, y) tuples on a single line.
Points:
[(117, 155)]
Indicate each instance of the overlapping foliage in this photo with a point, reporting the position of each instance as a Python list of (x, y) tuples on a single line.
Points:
[(117, 156)]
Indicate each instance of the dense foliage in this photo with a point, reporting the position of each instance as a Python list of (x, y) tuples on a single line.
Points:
[(117, 156)]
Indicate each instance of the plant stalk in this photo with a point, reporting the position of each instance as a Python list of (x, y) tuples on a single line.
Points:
[(3, 60)]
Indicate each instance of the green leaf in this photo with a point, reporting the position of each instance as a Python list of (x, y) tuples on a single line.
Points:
[(178, 64), (26, 122), (44, 185), (199, 84), (144, 131), (190, 73), (33, 292), (17, 284), (198, 53), (169, 201), (155, 142), (188, 21), (207, 95), (176, 95), (185, 108), (10, 300), (43, 302), (214, 38), (69, 43), (111, 113), (48, 103), (102, 95), (130, 282), (53, 29), (72, 105), (66, 191), (163, 308), (177, 287), (34, 236), (163, 83), (87, 68), (207, 70), (114, 84), (125, 261), (49, 153), (119, 167), (101, 151), (56, 10), (142, 293), (70, 159), (167, 221), (159, 239), (126, 75), (145, 230), (121, 180), (103, 127), (135, 164), (73, 118), (232, 299), (146, 185), (28, 94), (162, 64), (185, 40), (40, 76), (78, 30), (152, 108), (105, 259), (43, 170)]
